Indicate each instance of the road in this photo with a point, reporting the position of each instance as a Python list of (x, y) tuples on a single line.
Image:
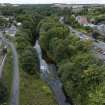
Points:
[(49, 77), (15, 84), (82, 36), (14, 100)]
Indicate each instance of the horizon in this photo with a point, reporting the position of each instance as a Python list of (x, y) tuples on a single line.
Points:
[(53, 1)]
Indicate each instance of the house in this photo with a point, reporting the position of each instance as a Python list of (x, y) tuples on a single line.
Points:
[(82, 20)]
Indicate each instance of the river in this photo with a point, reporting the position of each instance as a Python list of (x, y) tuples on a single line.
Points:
[(48, 73)]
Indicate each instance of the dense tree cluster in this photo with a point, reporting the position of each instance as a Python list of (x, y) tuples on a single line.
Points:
[(82, 74), (27, 55), (25, 39), (10, 10)]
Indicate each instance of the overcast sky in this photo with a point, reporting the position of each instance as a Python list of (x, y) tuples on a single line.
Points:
[(52, 1)]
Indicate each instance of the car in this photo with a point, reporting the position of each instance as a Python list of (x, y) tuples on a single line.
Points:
[(86, 38), (81, 37), (99, 50), (104, 53), (81, 34)]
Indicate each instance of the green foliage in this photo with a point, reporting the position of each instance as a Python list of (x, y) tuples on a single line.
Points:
[(29, 24), (51, 29), (3, 92), (29, 61), (70, 19), (27, 54), (97, 96), (22, 41), (3, 22), (79, 70), (34, 91), (67, 11), (10, 10), (100, 18)]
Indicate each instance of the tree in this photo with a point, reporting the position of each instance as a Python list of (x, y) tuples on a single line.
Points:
[(29, 61), (3, 22)]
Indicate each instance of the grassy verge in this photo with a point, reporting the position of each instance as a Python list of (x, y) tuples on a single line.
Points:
[(7, 73), (33, 91)]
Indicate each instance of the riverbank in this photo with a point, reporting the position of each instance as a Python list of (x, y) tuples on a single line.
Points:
[(34, 91)]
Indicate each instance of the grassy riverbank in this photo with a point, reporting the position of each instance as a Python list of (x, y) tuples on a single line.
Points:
[(33, 91)]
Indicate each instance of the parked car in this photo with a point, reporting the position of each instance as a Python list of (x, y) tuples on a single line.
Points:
[(99, 50), (104, 53)]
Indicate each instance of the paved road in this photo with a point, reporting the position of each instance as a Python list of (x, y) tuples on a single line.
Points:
[(82, 36), (49, 77), (14, 100), (15, 84)]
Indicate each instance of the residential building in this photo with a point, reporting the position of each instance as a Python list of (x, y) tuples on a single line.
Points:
[(82, 20)]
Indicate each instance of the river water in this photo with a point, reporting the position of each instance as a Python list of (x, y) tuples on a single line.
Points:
[(48, 73)]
